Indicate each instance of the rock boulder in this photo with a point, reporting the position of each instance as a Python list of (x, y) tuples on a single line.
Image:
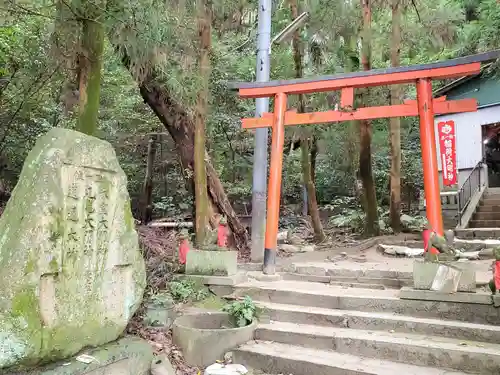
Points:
[(71, 273)]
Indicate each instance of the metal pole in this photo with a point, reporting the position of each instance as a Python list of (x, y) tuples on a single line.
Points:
[(259, 186)]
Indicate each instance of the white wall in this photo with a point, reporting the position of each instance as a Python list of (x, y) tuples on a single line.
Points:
[(469, 135)]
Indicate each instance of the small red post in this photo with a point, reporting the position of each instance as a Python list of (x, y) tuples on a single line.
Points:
[(274, 187), (429, 155)]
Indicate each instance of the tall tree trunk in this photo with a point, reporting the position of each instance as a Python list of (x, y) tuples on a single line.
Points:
[(365, 134), (351, 65), (305, 141), (147, 187), (180, 126), (89, 70), (314, 154), (204, 19), (395, 123)]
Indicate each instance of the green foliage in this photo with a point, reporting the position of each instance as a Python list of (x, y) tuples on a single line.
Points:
[(243, 312), (188, 290), (37, 88)]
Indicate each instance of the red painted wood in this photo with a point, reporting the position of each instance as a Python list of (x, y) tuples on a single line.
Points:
[(365, 81), (401, 110)]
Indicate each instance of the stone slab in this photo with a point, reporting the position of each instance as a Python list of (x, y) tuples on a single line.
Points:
[(71, 272), (261, 276), (460, 297), (380, 321), (425, 272), (211, 263), (354, 299), (127, 356), (203, 340), (235, 279), (410, 348), (276, 358), (302, 277)]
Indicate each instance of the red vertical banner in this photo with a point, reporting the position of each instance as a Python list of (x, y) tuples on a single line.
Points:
[(448, 151)]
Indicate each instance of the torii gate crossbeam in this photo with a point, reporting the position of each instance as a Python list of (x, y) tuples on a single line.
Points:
[(425, 107)]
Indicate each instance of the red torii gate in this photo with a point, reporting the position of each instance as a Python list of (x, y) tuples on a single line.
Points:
[(425, 107)]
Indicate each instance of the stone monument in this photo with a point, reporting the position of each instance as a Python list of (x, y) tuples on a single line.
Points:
[(71, 273)]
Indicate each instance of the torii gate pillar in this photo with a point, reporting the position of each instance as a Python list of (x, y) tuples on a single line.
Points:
[(429, 154)]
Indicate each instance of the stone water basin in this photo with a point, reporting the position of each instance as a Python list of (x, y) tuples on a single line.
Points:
[(205, 337)]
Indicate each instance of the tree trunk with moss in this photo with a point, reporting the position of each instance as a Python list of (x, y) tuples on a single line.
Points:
[(204, 20), (369, 195), (395, 123), (305, 140), (89, 68)]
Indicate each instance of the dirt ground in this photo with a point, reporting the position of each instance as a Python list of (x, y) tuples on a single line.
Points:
[(365, 256)]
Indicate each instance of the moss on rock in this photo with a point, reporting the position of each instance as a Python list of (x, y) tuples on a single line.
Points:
[(71, 273)]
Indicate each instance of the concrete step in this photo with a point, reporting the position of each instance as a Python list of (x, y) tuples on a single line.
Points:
[(326, 272), (478, 233), (369, 300), (490, 201), (488, 208), (380, 321), (289, 359), (484, 223), (350, 282), (491, 215), (413, 349), (330, 269)]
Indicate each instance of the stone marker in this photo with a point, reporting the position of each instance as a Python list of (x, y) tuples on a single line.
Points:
[(424, 273), (71, 273), (212, 262)]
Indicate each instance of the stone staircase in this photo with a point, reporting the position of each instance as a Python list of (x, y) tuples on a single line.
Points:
[(318, 328), (485, 222), (487, 213)]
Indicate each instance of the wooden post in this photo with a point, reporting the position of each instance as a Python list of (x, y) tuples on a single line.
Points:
[(274, 186), (429, 155)]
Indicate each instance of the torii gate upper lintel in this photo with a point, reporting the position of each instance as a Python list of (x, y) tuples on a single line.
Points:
[(425, 107)]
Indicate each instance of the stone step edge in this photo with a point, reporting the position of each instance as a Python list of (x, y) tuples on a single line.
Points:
[(337, 313), (396, 338), (288, 359), (475, 357), (361, 280)]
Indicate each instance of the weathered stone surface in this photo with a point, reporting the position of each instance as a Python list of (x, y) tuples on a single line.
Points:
[(425, 272), (204, 338), (71, 273), (161, 366), (127, 356), (213, 263)]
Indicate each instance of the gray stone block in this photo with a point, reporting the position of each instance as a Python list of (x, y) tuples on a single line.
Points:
[(127, 356), (212, 263), (424, 273)]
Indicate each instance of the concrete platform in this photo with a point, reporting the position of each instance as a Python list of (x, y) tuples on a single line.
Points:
[(380, 321), (334, 297), (480, 298), (288, 359), (414, 349), (232, 280), (353, 282)]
